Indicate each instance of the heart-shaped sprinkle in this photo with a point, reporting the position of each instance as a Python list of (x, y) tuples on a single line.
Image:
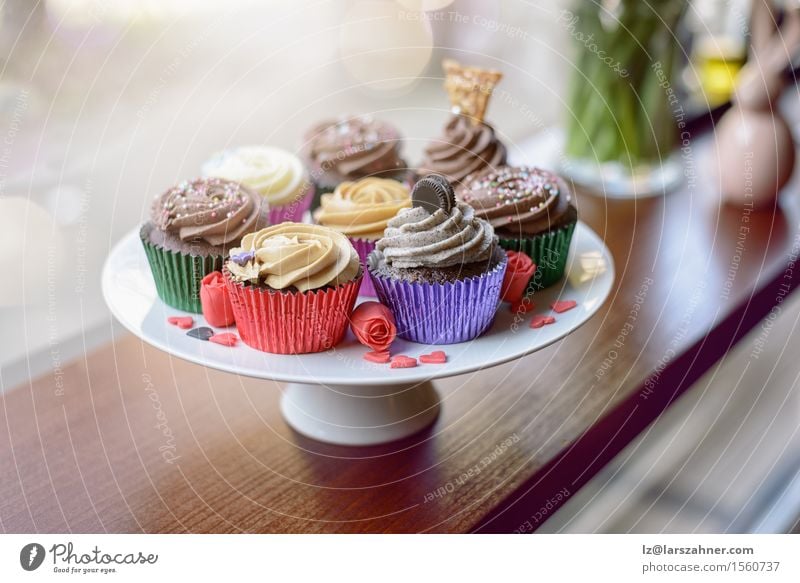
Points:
[(201, 333), (403, 361), (226, 339), (243, 257), (563, 305), (538, 321), (183, 322), (435, 357), (381, 357), (522, 307)]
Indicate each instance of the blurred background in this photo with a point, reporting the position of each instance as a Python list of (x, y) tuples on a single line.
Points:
[(106, 103)]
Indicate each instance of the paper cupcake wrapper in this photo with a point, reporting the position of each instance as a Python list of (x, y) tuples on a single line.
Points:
[(178, 275), (292, 322), (364, 248), (442, 313), (548, 251), (292, 212)]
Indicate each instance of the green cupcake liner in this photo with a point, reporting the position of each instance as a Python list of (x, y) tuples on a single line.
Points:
[(178, 275), (548, 251)]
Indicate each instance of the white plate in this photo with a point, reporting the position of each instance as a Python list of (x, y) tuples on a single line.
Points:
[(130, 292)]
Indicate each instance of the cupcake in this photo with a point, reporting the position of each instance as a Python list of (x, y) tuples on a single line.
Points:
[(438, 267), (292, 287), (191, 228), (275, 174), (468, 144), (350, 148), (531, 210), (361, 210)]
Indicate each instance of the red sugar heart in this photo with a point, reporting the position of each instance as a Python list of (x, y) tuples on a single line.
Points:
[(563, 305), (226, 339), (379, 357), (435, 357), (403, 361), (538, 321), (522, 307), (183, 322)]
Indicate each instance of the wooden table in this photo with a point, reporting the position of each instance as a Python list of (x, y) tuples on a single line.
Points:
[(132, 440)]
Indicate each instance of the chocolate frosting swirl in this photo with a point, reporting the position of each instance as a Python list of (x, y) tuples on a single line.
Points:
[(464, 149), (519, 199), (305, 257), (352, 148), (215, 210), (417, 238)]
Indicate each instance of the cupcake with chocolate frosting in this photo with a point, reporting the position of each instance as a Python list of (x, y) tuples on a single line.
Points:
[(468, 144), (532, 210), (292, 287), (191, 228), (438, 267), (351, 148), (277, 175), (361, 210)]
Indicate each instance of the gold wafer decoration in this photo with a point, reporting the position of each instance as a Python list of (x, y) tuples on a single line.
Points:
[(469, 88)]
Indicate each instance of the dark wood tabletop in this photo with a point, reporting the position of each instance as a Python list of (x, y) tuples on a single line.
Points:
[(130, 439)]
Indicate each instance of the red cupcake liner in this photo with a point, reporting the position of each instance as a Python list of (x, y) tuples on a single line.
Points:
[(292, 322)]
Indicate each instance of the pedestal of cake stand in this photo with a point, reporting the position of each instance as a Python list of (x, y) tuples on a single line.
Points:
[(359, 415)]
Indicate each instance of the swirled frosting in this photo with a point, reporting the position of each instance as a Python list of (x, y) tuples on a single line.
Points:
[(297, 255), (417, 238), (275, 174), (519, 199), (464, 149), (211, 209), (362, 209), (354, 147)]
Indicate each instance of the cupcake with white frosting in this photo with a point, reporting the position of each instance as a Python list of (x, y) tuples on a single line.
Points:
[(438, 267), (292, 287), (361, 210), (275, 174)]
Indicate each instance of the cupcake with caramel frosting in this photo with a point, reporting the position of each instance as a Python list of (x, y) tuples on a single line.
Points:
[(438, 267), (532, 210), (292, 287), (361, 210), (191, 228)]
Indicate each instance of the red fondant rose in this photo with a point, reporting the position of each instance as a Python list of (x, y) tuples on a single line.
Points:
[(518, 273), (214, 300), (373, 325)]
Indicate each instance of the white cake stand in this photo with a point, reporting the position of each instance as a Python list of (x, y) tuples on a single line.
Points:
[(337, 396)]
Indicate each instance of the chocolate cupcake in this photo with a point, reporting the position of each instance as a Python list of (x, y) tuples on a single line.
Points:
[(438, 267), (531, 209), (469, 144), (191, 229), (351, 148), (292, 287), (361, 210)]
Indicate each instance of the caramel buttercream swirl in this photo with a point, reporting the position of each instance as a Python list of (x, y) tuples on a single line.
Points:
[(294, 255), (215, 210), (417, 238), (362, 209), (464, 149), (275, 174)]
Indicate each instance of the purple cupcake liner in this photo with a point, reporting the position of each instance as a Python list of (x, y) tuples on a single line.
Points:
[(364, 248), (292, 212), (442, 313)]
